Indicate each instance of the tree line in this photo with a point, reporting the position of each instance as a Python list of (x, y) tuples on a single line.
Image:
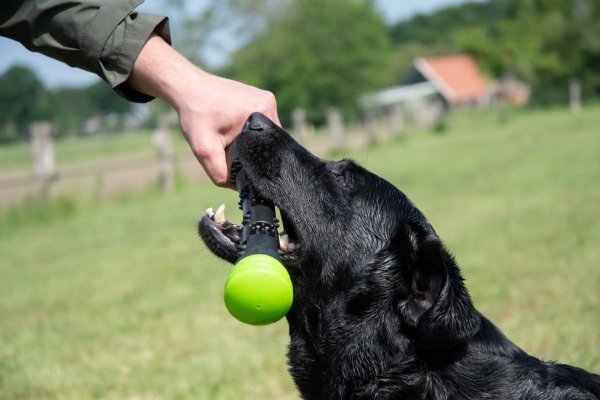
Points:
[(318, 54), (25, 99)]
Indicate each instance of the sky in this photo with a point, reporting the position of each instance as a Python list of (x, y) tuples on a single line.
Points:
[(54, 73)]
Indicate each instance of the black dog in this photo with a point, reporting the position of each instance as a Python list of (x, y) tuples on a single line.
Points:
[(380, 309)]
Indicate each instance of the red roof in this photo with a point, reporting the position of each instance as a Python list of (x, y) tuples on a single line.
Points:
[(457, 77)]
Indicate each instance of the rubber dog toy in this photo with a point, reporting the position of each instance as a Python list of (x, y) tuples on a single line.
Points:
[(258, 290)]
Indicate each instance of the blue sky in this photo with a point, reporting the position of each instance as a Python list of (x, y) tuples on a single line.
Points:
[(54, 73)]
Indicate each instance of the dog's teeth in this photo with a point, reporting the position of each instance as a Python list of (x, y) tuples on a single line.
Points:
[(292, 247), (209, 212), (284, 241), (220, 214)]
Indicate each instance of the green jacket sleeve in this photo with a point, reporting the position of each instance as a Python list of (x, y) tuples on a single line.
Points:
[(100, 36)]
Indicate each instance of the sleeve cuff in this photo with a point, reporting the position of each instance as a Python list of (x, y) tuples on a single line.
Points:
[(115, 38), (136, 31)]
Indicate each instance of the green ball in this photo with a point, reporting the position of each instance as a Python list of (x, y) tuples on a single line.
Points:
[(259, 290)]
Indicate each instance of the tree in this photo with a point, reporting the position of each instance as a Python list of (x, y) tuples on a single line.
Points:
[(546, 43), (317, 54), (218, 27), (72, 106), (23, 99), (437, 28), (104, 101)]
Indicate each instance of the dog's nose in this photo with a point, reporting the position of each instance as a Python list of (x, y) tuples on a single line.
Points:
[(257, 122)]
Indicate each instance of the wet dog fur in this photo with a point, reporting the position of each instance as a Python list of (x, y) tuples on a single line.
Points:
[(380, 309)]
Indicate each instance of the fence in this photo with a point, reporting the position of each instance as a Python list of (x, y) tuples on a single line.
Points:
[(103, 179), (109, 178)]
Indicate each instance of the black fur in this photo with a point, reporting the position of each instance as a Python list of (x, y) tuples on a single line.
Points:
[(380, 308)]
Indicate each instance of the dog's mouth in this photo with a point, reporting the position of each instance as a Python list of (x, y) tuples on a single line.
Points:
[(227, 235), (259, 150)]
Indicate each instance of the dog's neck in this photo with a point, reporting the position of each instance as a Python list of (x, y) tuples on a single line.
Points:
[(339, 334)]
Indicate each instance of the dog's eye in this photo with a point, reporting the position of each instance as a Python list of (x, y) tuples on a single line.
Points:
[(340, 173), (340, 177)]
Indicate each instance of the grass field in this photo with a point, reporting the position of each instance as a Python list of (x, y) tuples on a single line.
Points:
[(97, 147), (120, 300)]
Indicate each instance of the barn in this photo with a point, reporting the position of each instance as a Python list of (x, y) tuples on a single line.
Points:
[(433, 85), (456, 80)]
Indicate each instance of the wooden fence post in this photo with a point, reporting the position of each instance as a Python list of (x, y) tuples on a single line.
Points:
[(299, 123), (439, 116), (42, 151), (335, 125), (370, 125), (575, 97), (164, 149), (396, 118)]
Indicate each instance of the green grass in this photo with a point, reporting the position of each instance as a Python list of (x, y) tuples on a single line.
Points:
[(97, 147), (120, 300)]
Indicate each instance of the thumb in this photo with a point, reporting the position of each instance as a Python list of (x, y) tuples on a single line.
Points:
[(211, 155)]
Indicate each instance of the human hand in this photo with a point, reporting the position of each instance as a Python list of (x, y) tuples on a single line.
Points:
[(212, 110)]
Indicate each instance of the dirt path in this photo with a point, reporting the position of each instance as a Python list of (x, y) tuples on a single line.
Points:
[(112, 177)]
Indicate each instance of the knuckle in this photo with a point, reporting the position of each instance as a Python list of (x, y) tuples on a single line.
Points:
[(268, 103), (271, 100), (220, 181), (201, 150)]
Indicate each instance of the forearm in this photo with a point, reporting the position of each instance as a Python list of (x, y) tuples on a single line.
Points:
[(160, 71)]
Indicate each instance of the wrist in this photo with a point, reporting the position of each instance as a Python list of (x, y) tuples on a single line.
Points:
[(186, 88), (162, 72)]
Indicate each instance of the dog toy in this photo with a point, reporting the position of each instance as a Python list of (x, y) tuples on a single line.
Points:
[(258, 290)]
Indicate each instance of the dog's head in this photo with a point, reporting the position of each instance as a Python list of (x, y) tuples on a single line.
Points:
[(355, 238)]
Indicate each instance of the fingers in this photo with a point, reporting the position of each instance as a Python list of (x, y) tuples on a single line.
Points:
[(230, 155), (212, 110), (211, 122), (268, 107), (217, 168), (209, 151)]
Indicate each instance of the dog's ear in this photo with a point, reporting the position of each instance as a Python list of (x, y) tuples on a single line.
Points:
[(435, 302)]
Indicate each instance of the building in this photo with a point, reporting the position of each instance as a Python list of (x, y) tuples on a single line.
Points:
[(433, 85), (455, 80)]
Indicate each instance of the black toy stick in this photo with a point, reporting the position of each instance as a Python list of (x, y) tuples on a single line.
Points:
[(259, 289)]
